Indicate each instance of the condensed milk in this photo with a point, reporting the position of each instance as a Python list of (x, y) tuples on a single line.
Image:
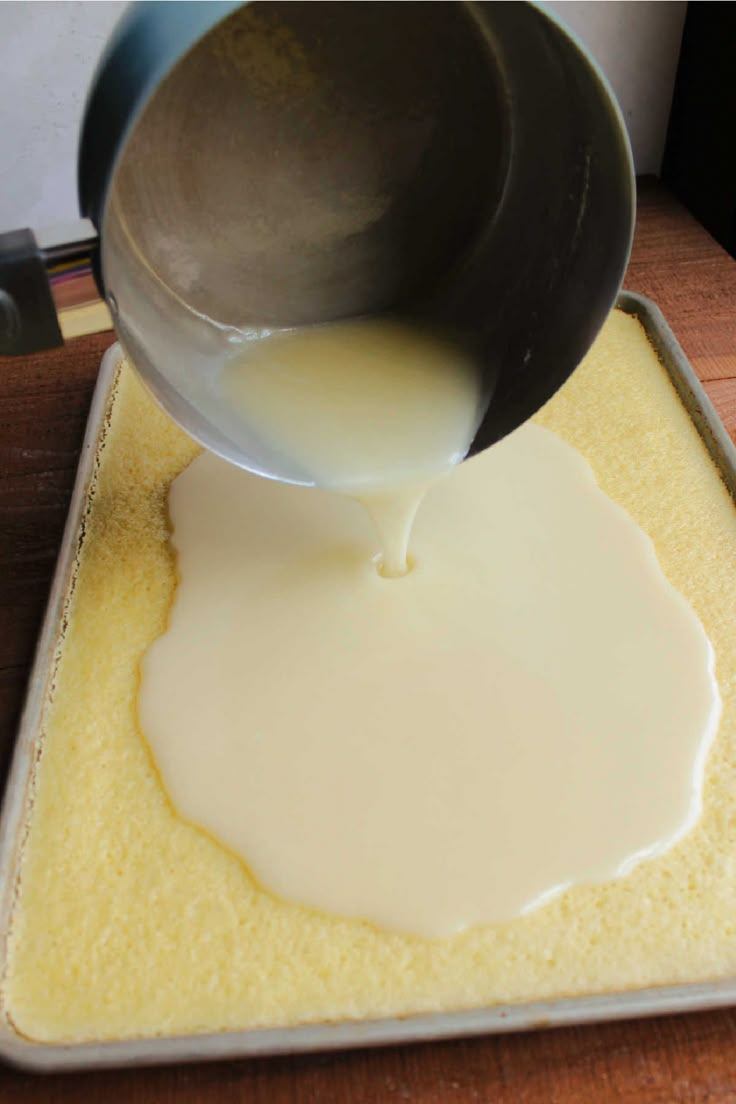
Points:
[(526, 709), (374, 408)]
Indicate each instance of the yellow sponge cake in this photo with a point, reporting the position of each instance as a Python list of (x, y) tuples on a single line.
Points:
[(130, 922)]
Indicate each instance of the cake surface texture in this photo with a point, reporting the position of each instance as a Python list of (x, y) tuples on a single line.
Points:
[(130, 922)]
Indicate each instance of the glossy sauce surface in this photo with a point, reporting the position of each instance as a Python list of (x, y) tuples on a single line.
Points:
[(528, 709)]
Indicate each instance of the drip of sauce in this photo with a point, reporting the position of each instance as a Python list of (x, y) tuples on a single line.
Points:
[(373, 408), (392, 513), (528, 709)]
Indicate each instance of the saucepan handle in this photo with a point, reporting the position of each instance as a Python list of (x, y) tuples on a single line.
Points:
[(28, 263)]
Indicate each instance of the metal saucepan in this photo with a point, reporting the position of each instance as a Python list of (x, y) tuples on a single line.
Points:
[(257, 166)]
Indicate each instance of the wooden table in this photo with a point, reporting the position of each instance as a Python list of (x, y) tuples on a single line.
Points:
[(43, 406)]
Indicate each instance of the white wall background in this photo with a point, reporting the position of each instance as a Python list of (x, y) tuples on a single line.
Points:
[(48, 52), (637, 44)]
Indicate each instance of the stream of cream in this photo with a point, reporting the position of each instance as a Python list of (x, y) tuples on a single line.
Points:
[(373, 408)]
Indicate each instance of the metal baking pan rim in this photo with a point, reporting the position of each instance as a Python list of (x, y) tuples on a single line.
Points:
[(261, 1042)]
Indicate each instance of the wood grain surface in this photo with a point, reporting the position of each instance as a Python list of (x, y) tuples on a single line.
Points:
[(43, 406)]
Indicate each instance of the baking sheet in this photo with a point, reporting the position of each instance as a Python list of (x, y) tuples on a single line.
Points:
[(500, 1018)]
